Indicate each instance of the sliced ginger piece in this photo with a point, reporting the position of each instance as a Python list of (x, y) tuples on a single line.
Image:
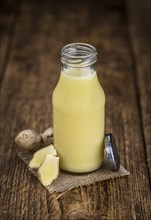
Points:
[(49, 170), (39, 156)]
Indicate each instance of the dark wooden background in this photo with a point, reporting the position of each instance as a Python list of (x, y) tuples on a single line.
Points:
[(32, 34)]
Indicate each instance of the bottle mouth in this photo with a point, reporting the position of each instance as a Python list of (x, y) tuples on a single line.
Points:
[(78, 55)]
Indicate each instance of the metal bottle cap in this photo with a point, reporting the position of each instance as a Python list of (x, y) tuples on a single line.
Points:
[(111, 153)]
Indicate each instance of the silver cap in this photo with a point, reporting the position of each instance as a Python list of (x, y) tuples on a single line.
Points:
[(111, 154)]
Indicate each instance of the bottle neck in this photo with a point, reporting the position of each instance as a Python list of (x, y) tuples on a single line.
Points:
[(78, 71), (78, 55)]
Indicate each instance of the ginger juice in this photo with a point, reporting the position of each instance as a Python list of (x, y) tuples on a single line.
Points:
[(79, 111)]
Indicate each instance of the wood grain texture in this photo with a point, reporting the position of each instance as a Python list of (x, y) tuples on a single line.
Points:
[(9, 11), (31, 75), (140, 35)]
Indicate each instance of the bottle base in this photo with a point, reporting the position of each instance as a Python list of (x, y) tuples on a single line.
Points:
[(80, 170)]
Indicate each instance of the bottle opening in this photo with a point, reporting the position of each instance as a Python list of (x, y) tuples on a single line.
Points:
[(78, 55)]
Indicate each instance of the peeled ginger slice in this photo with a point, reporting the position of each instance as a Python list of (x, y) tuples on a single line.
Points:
[(39, 156), (49, 170)]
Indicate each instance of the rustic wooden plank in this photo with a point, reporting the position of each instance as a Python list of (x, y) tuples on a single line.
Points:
[(9, 12), (140, 35), (30, 77)]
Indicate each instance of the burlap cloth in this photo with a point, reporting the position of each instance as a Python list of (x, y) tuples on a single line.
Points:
[(67, 181)]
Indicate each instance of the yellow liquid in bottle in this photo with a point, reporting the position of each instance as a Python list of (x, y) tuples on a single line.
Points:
[(78, 120)]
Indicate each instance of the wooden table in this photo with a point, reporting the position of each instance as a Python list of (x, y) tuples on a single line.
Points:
[(32, 34)]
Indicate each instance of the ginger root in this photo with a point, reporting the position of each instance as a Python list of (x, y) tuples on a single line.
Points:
[(47, 162), (28, 139), (45, 156), (31, 140), (39, 156), (47, 136), (49, 170)]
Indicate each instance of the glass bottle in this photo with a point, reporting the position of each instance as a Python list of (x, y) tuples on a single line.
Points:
[(79, 110)]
